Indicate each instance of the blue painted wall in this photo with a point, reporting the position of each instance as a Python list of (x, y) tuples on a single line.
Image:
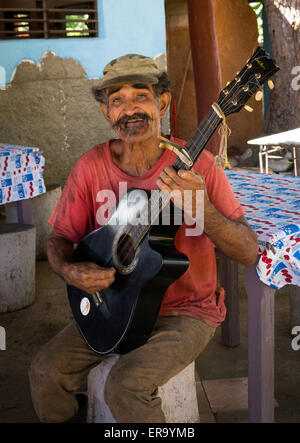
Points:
[(125, 26)]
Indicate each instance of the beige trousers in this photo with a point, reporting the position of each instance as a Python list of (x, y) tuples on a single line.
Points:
[(61, 367)]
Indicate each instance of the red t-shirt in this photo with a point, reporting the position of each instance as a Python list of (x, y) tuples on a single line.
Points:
[(196, 292)]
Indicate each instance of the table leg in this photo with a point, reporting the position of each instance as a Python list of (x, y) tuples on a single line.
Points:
[(228, 276), (295, 161), (260, 348), (261, 159), (267, 160), (24, 211)]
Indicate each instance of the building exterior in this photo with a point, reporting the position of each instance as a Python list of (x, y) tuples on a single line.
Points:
[(45, 83)]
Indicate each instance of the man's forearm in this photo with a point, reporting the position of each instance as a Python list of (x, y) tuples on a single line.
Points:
[(60, 254), (235, 239), (87, 276)]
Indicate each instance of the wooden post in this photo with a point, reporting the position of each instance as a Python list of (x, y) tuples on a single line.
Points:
[(205, 56), (260, 348)]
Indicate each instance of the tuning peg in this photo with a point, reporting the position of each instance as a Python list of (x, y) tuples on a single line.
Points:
[(258, 96), (228, 83), (270, 84), (248, 108)]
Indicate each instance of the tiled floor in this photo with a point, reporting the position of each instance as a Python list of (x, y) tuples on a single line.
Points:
[(227, 394)]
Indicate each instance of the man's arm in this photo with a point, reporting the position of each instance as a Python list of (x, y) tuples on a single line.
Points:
[(234, 238), (84, 275)]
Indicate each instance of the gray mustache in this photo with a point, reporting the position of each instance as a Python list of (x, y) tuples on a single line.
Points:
[(126, 118)]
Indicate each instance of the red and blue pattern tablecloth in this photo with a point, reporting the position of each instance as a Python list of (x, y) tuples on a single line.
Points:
[(21, 173), (272, 209)]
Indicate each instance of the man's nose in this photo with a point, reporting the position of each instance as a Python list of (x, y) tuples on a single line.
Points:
[(129, 106)]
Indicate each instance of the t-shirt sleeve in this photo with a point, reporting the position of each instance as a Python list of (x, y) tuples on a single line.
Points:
[(72, 215), (219, 189)]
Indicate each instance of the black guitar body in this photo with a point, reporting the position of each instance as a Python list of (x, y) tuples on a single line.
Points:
[(122, 317)]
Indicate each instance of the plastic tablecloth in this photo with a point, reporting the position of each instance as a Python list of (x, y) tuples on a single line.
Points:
[(21, 173), (272, 204)]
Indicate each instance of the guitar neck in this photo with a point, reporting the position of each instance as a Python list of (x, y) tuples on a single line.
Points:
[(159, 200), (201, 137)]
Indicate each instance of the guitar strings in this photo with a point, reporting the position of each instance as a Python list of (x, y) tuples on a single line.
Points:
[(215, 120), (193, 152)]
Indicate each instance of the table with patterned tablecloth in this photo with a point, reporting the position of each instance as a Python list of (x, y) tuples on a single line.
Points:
[(272, 209), (21, 177), (271, 204)]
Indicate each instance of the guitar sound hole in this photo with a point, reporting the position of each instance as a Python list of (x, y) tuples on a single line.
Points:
[(125, 250)]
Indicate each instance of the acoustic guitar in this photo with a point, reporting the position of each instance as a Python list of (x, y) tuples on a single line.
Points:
[(122, 317)]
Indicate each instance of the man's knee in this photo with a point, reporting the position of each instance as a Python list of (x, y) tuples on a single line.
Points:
[(42, 368), (125, 383), (119, 384)]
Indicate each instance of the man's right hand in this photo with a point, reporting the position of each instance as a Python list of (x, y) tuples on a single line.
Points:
[(88, 277)]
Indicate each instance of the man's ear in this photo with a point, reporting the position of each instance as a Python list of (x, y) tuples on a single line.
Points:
[(104, 110), (164, 102)]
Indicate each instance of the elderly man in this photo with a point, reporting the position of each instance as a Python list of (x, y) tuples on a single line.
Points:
[(134, 96)]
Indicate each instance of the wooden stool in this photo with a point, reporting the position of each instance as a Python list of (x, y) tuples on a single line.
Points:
[(17, 266), (178, 395)]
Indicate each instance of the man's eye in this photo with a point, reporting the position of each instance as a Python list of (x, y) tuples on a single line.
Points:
[(116, 100), (141, 97)]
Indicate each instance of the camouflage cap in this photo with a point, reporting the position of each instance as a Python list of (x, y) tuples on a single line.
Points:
[(130, 68)]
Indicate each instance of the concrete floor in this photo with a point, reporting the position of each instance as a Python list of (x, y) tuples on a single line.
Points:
[(221, 371)]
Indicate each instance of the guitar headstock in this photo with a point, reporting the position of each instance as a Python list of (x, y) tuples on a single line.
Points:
[(259, 68)]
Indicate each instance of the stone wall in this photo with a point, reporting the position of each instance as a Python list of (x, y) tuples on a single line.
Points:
[(50, 105)]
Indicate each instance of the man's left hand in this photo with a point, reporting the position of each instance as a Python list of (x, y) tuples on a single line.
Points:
[(176, 183)]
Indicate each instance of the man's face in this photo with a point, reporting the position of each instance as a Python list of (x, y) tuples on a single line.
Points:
[(134, 111)]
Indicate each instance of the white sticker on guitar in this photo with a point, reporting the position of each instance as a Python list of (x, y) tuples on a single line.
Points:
[(85, 306)]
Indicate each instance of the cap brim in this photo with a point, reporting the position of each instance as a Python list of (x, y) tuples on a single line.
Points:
[(134, 78)]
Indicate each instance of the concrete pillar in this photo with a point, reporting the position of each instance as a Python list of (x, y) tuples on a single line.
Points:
[(42, 207), (178, 395), (17, 266)]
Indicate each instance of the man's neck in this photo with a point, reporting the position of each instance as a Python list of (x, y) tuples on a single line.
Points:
[(137, 158)]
